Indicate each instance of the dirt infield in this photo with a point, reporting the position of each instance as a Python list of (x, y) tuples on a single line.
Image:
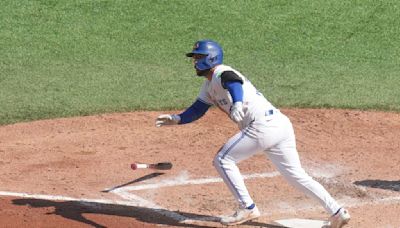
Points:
[(76, 172)]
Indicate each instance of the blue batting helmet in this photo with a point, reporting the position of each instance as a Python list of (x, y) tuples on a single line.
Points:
[(212, 52)]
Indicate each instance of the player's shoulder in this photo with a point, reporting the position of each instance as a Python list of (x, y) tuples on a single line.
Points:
[(228, 72), (220, 69)]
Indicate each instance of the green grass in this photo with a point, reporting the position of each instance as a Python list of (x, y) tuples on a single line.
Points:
[(67, 58)]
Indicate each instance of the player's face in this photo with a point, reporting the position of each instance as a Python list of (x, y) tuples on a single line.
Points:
[(195, 58)]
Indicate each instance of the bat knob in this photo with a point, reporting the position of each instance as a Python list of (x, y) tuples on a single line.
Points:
[(134, 166)]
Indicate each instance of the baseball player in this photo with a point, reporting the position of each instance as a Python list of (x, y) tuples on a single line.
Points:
[(262, 128)]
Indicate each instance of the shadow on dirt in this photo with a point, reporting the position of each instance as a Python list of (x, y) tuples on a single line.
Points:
[(76, 210), (146, 177), (382, 184)]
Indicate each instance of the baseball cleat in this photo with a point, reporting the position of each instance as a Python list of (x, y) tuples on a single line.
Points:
[(339, 219), (241, 215)]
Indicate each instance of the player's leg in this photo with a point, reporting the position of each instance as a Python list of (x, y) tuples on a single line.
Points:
[(285, 157), (238, 148)]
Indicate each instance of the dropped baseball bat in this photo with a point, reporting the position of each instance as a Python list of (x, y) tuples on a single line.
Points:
[(159, 166)]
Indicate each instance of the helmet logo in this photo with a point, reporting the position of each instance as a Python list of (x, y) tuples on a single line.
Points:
[(196, 45)]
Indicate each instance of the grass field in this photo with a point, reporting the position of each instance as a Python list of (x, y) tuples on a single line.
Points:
[(62, 58)]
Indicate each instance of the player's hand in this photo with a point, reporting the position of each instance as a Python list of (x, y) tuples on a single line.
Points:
[(236, 112), (167, 119)]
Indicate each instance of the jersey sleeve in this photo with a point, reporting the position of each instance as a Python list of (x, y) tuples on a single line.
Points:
[(230, 76), (194, 112), (235, 89)]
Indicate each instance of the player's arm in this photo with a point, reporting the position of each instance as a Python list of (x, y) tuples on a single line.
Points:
[(194, 112), (233, 83)]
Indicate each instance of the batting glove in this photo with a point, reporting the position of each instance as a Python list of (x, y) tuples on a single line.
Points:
[(236, 112), (167, 119)]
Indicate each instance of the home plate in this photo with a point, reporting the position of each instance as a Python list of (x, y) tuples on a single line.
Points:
[(302, 223)]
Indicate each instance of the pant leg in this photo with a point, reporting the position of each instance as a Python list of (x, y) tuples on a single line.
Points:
[(285, 157), (238, 148)]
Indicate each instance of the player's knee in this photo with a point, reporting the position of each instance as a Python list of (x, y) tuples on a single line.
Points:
[(217, 161), (222, 161)]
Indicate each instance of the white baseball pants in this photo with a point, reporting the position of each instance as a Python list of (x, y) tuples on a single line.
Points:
[(275, 136)]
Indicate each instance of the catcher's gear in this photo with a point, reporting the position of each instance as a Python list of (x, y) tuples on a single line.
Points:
[(167, 119), (212, 51)]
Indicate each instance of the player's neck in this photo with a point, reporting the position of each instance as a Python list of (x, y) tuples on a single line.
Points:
[(210, 74)]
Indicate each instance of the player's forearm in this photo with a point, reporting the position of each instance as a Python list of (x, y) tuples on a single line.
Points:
[(194, 112)]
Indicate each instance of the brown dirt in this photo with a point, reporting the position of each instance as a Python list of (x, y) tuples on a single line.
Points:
[(354, 154)]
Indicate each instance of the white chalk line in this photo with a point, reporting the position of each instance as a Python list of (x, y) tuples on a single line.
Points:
[(136, 201), (131, 201), (124, 192), (180, 182), (150, 205), (139, 202), (67, 198)]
